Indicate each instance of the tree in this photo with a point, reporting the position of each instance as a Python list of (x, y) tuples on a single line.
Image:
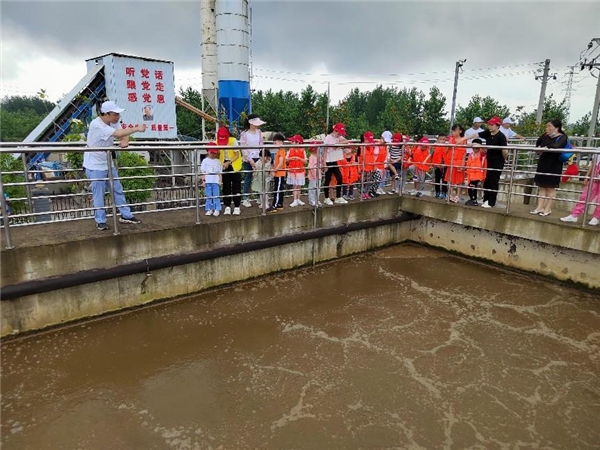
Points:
[(526, 125), (8, 163), (22, 103), (582, 126), (485, 108), (434, 116), (188, 123)]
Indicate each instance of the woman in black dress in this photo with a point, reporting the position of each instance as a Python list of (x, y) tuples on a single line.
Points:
[(549, 167)]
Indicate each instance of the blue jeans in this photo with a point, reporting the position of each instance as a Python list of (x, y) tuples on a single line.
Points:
[(99, 187), (213, 203), (247, 178)]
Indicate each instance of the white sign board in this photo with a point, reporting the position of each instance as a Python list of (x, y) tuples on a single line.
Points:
[(146, 89)]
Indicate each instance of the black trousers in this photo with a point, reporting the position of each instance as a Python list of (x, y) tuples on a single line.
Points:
[(333, 170), (472, 189), (492, 182), (232, 185), (278, 192), (439, 180)]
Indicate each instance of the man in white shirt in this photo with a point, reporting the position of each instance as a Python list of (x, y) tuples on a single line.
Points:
[(103, 131), (475, 129), (508, 132)]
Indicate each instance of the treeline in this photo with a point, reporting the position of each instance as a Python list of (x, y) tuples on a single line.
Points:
[(410, 111)]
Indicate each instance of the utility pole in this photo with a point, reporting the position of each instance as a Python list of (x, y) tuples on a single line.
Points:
[(457, 70), (569, 90), (544, 77), (328, 102), (592, 63)]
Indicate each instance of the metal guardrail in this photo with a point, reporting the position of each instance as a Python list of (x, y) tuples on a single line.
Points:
[(190, 195)]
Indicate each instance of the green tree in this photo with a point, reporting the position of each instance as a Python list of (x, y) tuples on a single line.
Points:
[(525, 123), (434, 116), (188, 123), (582, 126), (22, 103), (484, 107)]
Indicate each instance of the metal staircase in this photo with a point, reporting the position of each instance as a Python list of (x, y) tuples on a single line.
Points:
[(78, 104)]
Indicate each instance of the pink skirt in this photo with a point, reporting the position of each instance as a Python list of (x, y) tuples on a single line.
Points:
[(295, 179)]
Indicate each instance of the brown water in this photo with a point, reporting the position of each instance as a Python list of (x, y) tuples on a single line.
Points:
[(401, 348)]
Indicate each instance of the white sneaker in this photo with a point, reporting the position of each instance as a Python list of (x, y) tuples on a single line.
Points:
[(227, 211), (412, 192), (216, 213), (236, 211), (392, 192), (341, 201), (380, 191), (328, 202), (246, 203), (569, 218), (294, 204), (594, 222), (486, 205), (300, 203), (209, 213)]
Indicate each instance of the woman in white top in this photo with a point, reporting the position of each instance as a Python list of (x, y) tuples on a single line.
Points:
[(251, 136), (332, 157)]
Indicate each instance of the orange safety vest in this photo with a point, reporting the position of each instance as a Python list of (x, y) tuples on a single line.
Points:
[(367, 158), (349, 169), (381, 157), (296, 166), (419, 155), (438, 155), (476, 166)]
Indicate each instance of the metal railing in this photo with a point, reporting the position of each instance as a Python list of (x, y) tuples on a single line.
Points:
[(179, 187)]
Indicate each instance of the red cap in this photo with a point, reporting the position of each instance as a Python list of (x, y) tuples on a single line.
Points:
[(211, 148), (424, 140), (495, 121), (297, 139), (339, 127), (369, 136), (222, 136), (397, 138)]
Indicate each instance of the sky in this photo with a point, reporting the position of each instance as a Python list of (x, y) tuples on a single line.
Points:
[(347, 44)]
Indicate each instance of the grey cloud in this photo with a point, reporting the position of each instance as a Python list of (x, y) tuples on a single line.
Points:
[(349, 37)]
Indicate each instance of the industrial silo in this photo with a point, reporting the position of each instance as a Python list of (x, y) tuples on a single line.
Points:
[(233, 57)]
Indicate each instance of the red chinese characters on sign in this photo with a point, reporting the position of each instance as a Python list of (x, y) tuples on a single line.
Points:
[(131, 84), (159, 127), (130, 71), (159, 87), (132, 97), (145, 73), (123, 125), (160, 98), (165, 127), (147, 98), (158, 74), (145, 85), (153, 127)]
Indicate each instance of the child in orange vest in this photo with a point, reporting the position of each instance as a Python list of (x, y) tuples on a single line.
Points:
[(279, 174), (296, 158), (455, 172), (475, 173), (437, 160), (419, 158), (371, 174), (350, 174)]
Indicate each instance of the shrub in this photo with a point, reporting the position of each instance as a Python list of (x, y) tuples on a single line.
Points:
[(139, 168), (9, 163)]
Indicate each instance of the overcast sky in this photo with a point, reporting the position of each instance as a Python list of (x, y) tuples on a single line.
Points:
[(348, 43)]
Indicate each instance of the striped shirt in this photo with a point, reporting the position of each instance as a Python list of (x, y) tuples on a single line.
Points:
[(395, 152)]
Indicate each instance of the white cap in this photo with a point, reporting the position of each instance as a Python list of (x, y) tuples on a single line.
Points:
[(110, 106), (387, 136), (508, 121), (477, 119), (257, 122)]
